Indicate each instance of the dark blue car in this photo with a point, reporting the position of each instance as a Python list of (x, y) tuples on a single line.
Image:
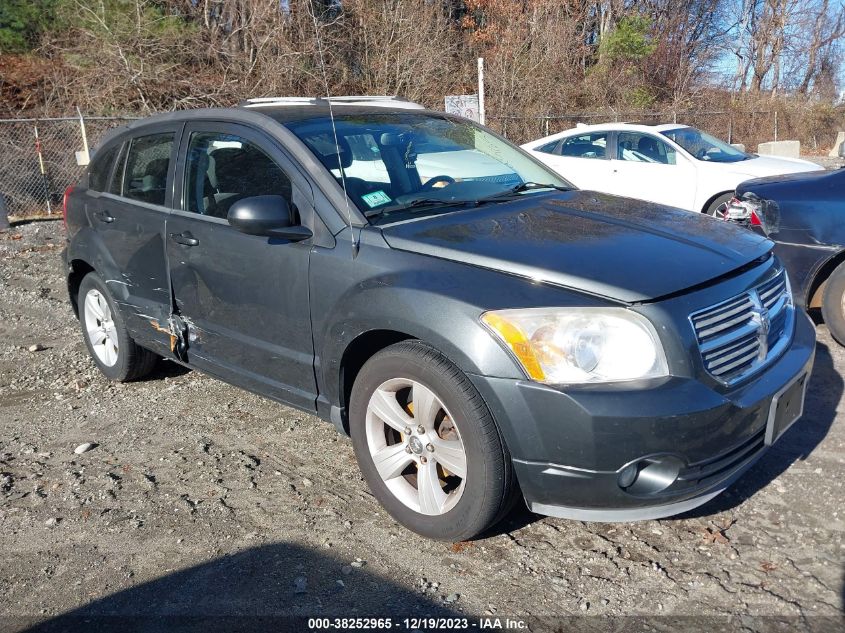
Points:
[(804, 214)]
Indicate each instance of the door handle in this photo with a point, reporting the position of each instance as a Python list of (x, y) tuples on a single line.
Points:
[(105, 216), (184, 238)]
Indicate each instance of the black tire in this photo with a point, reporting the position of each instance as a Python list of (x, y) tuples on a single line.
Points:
[(490, 485), (714, 207), (833, 311), (133, 361)]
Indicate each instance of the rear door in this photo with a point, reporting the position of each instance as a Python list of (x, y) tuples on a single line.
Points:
[(645, 167), (582, 159), (244, 297), (129, 216)]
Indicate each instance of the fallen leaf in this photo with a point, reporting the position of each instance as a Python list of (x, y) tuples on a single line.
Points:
[(461, 546), (715, 536)]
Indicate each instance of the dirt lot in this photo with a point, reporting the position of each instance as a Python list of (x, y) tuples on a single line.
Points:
[(202, 499)]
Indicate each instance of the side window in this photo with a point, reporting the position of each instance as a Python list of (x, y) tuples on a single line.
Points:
[(548, 148), (644, 148), (367, 162), (100, 170), (225, 168), (147, 165), (585, 146)]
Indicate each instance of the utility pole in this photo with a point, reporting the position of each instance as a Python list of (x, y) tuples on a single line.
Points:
[(481, 117)]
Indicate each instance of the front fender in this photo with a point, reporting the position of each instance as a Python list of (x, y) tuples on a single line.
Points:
[(434, 300)]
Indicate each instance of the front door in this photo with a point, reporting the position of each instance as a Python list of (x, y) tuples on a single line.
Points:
[(647, 168), (243, 298)]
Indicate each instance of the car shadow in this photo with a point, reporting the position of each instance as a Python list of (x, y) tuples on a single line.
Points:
[(165, 369), (268, 588), (823, 395)]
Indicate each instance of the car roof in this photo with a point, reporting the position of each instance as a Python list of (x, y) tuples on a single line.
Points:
[(582, 128), (282, 113), (635, 127), (294, 113)]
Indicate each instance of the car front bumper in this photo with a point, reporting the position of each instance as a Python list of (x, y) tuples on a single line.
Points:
[(686, 441)]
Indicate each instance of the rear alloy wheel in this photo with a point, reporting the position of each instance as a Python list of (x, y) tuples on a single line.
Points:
[(106, 337), (719, 207), (99, 325), (427, 444)]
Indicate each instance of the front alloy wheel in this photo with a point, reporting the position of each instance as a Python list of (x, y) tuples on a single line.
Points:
[(415, 446), (427, 445)]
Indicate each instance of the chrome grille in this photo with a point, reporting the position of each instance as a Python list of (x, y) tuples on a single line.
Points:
[(738, 336)]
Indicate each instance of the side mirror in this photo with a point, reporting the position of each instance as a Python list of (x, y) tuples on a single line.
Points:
[(268, 216)]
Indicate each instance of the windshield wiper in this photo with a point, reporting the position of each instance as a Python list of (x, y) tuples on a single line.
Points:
[(524, 186), (430, 202), (417, 202)]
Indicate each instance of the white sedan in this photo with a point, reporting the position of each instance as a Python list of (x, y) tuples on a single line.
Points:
[(672, 164)]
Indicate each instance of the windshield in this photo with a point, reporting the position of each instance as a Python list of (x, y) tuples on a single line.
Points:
[(704, 146), (420, 162)]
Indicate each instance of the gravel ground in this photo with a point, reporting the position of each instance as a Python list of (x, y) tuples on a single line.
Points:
[(202, 499)]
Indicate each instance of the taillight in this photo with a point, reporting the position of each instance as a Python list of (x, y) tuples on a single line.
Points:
[(68, 191), (755, 219)]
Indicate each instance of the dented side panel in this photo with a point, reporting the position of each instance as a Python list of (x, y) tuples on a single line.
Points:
[(804, 214)]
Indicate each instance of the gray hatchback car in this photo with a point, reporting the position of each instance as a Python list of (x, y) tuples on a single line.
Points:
[(480, 328)]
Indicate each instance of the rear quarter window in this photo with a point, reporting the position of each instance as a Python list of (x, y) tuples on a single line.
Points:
[(98, 173), (549, 148)]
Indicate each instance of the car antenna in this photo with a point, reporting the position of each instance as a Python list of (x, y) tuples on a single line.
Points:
[(334, 129)]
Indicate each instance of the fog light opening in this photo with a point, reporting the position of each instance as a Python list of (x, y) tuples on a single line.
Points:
[(627, 476), (650, 475)]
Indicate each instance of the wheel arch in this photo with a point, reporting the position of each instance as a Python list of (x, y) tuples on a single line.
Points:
[(357, 353), (712, 198), (815, 290), (78, 269)]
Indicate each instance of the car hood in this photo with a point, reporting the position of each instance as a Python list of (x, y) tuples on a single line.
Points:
[(783, 179), (771, 166), (620, 248)]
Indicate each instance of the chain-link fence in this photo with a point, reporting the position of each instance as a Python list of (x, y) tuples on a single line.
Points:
[(38, 159), (749, 127)]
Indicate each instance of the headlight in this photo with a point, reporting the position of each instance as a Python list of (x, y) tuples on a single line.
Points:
[(744, 211), (580, 345)]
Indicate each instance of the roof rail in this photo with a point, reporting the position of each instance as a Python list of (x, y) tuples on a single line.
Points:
[(359, 100)]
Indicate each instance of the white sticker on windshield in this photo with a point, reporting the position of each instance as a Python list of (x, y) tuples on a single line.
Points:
[(376, 198)]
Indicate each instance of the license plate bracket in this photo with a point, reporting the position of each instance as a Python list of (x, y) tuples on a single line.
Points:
[(786, 407)]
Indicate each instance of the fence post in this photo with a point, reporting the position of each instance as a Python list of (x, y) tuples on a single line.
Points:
[(731, 127), (4, 214), (674, 116), (87, 153), (776, 124), (546, 126), (43, 170)]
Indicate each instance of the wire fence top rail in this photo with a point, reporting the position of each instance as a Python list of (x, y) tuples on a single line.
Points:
[(619, 113), (70, 118)]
